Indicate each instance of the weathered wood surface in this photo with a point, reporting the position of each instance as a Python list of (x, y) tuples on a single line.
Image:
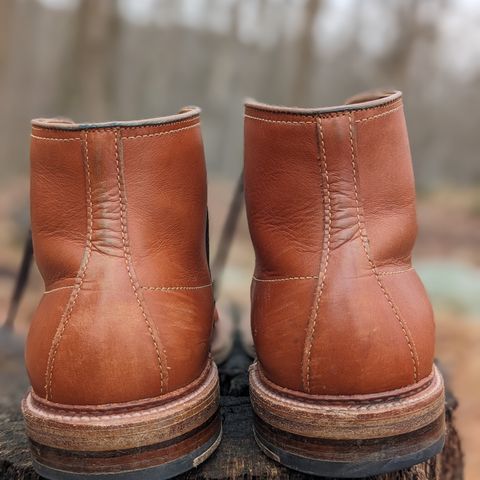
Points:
[(237, 457)]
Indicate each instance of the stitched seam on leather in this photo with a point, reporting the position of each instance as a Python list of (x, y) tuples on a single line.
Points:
[(326, 115), (144, 287), (285, 279), (396, 272), (71, 139), (66, 316), (364, 240), (46, 292), (168, 289), (46, 126), (268, 120), (128, 261), (373, 406), (130, 407), (379, 115), (82, 417), (287, 393), (158, 134), (322, 157)]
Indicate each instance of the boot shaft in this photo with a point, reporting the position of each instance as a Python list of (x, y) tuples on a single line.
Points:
[(331, 206), (361, 155), (119, 232), (140, 187)]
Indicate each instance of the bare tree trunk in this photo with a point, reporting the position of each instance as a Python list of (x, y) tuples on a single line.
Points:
[(6, 10), (306, 50), (89, 69), (17, 30)]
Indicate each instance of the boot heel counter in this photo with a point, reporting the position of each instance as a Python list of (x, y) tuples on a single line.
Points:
[(100, 347), (187, 312), (40, 337), (277, 306), (416, 309), (99, 352), (357, 330), (379, 335)]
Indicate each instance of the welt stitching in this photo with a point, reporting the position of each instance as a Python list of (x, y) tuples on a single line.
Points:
[(371, 406), (128, 261), (168, 289), (66, 316), (364, 240), (158, 134), (379, 115), (193, 388), (291, 395), (54, 139), (284, 279), (84, 417), (326, 248)]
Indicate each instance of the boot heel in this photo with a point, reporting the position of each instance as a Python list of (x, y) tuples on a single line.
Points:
[(157, 440), (349, 436)]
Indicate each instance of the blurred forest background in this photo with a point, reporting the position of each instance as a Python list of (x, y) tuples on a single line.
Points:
[(98, 60)]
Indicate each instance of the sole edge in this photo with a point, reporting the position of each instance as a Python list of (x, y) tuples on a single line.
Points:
[(160, 472), (323, 468)]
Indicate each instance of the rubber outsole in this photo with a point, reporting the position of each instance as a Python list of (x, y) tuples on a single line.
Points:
[(322, 468), (161, 472)]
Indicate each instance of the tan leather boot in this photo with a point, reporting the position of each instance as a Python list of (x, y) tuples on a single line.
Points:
[(344, 384), (118, 351)]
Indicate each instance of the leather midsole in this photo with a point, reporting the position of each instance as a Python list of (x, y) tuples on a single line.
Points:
[(70, 430), (379, 418), (113, 408)]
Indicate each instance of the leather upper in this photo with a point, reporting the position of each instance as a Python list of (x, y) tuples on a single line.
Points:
[(337, 307), (118, 220)]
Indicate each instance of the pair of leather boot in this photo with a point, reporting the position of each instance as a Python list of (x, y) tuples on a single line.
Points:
[(123, 385)]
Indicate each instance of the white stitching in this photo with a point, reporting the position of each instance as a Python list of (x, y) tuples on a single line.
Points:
[(279, 121), (284, 279), (396, 272), (168, 289), (161, 133), (373, 117), (144, 287), (326, 115), (286, 392), (78, 285), (47, 412), (54, 139), (126, 254), (326, 248), (46, 292), (364, 240), (436, 385)]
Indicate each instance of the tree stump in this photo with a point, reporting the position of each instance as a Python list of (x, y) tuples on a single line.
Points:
[(237, 456)]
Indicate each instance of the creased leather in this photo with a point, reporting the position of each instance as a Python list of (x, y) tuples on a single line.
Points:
[(336, 305), (118, 221)]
